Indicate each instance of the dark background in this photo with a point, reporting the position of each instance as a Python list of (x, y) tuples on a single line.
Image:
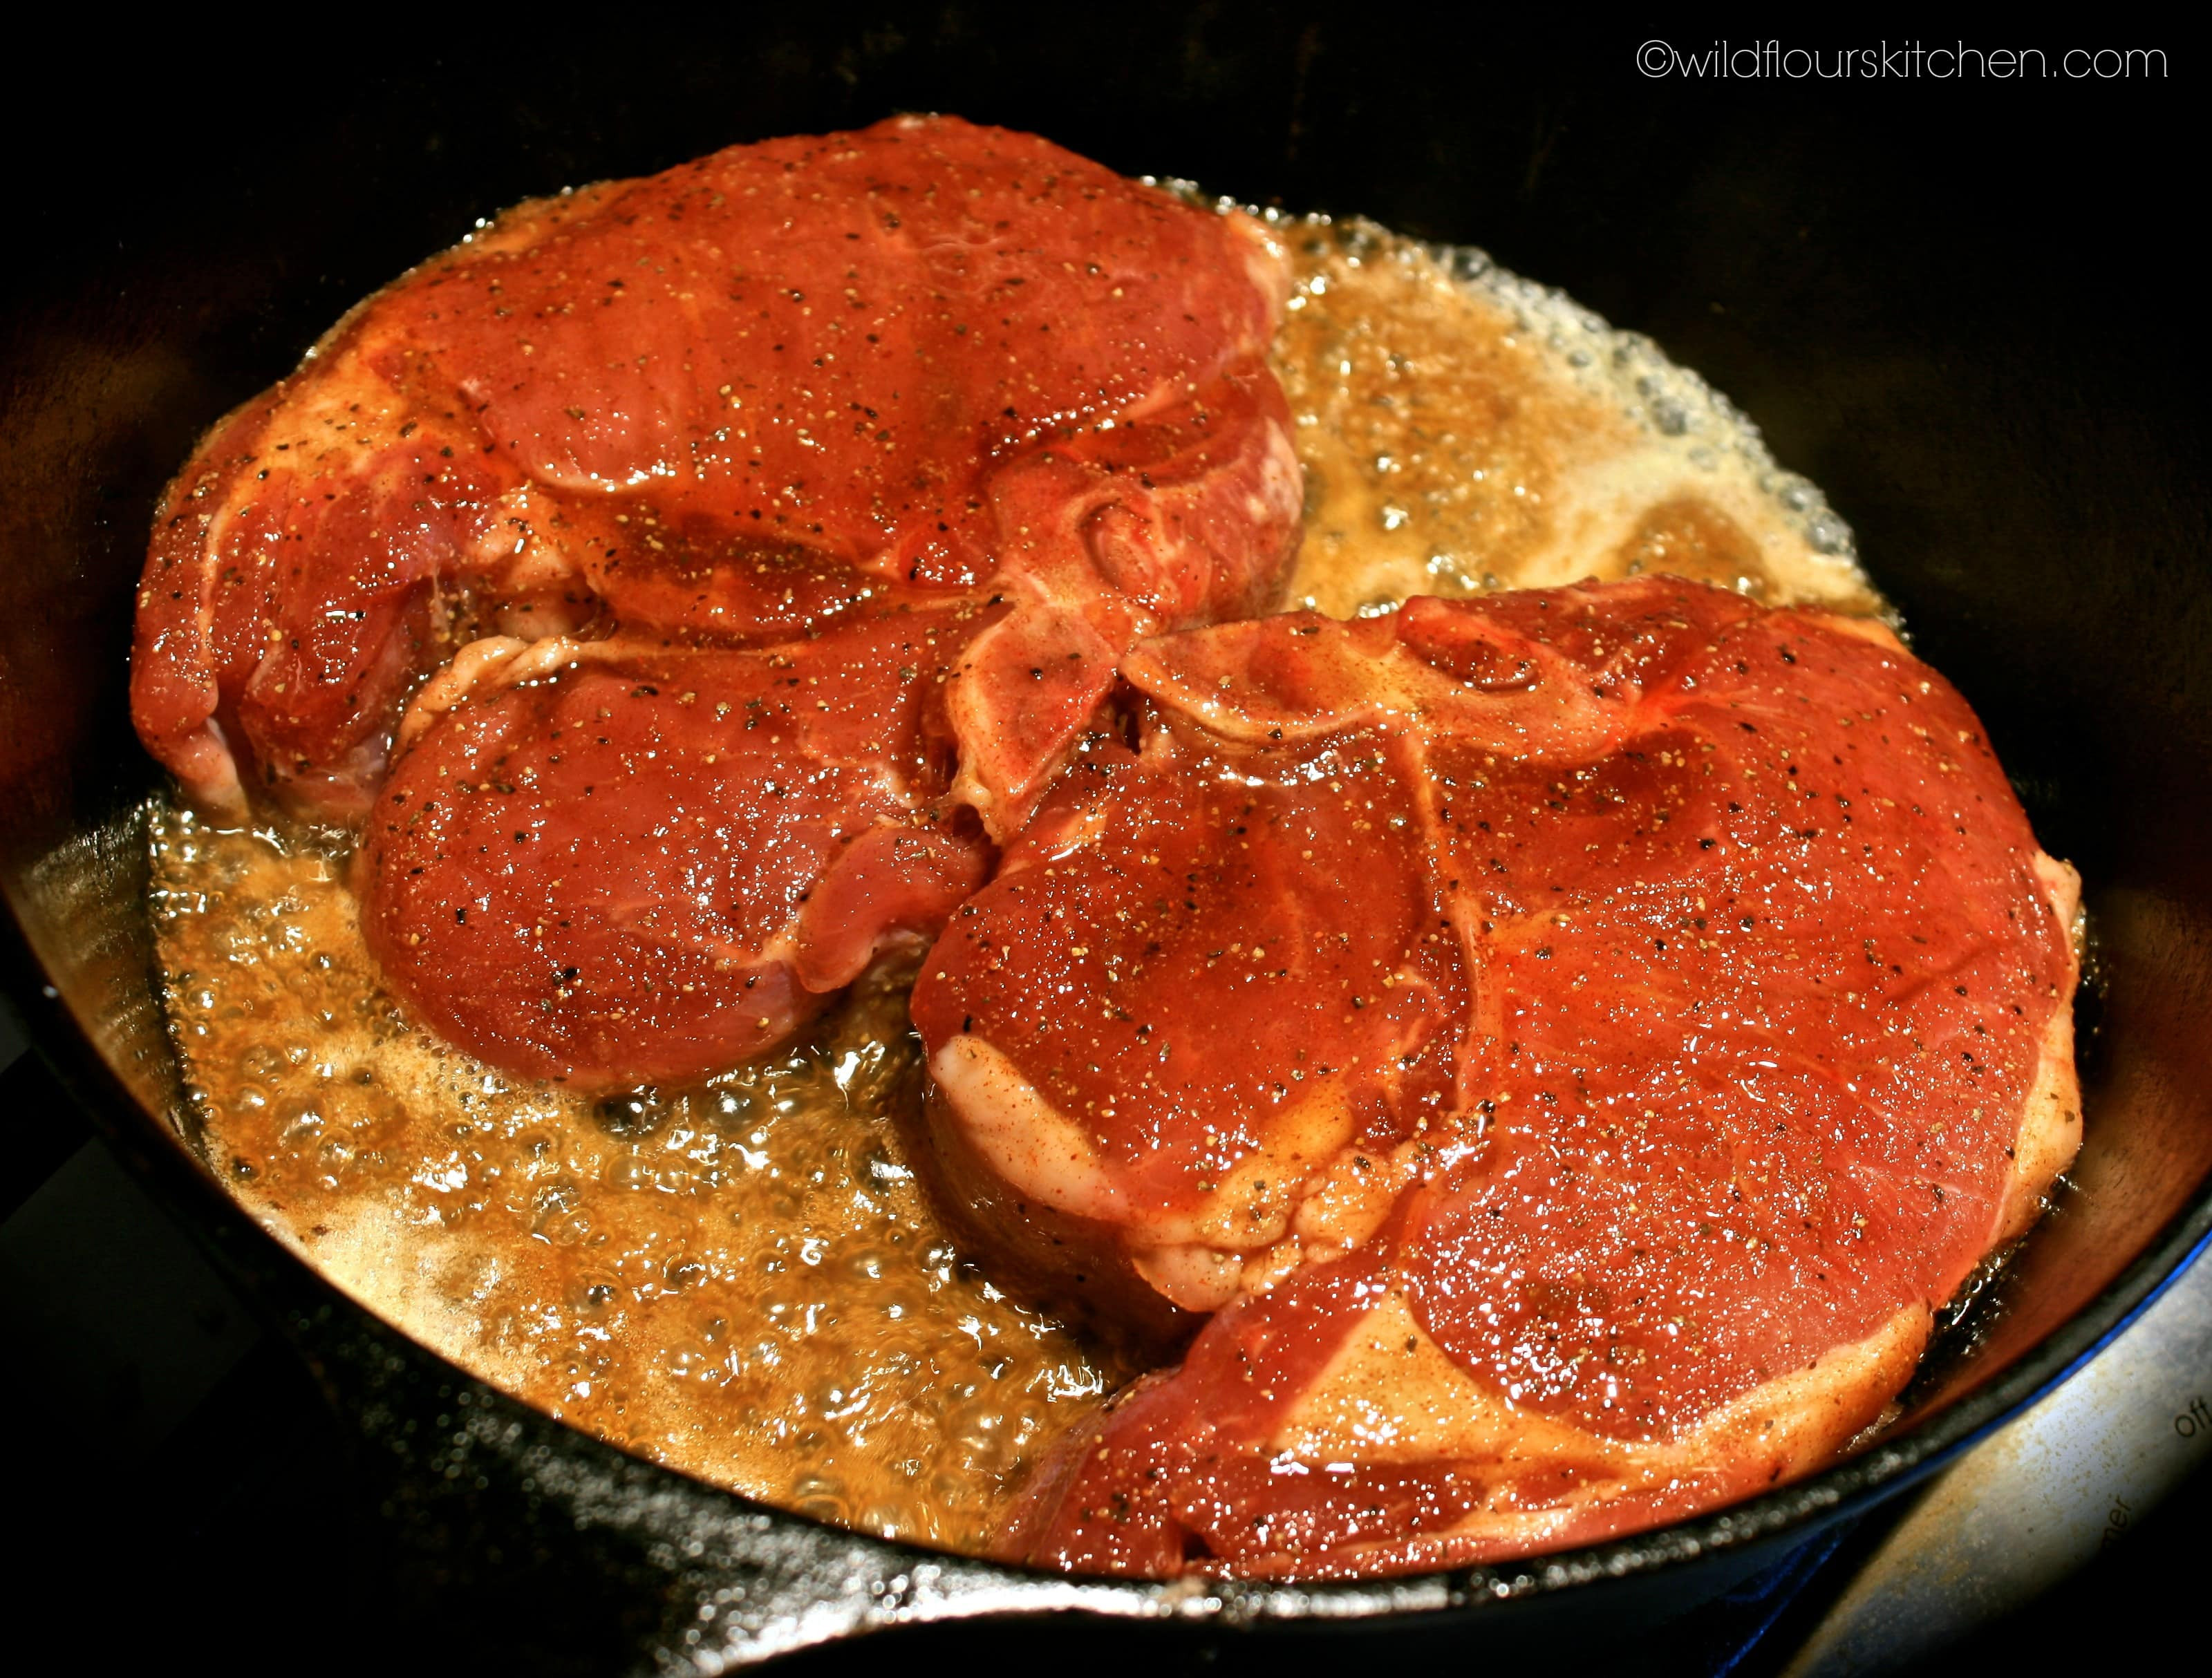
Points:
[(2009, 265)]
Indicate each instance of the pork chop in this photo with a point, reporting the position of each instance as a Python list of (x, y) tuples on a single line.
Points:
[(616, 863), (1571, 1042), (738, 399)]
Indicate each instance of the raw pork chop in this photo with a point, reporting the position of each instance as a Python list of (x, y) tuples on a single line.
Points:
[(616, 863), (738, 399), (1572, 1041)]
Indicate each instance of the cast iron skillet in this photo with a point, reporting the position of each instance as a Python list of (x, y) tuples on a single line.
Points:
[(1947, 303)]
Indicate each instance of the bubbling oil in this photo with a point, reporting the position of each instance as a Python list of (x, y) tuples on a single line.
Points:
[(744, 1280), (1463, 430)]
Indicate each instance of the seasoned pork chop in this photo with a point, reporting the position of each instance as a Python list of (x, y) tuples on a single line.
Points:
[(1572, 1042), (616, 863), (737, 400)]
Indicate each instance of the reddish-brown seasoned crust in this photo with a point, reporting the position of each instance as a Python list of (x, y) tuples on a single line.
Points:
[(293, 595), (651, 862), (838, 344), (1257, 939), (1729, 1012)]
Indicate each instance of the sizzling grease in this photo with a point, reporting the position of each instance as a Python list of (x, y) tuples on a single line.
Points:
[(742, 1280), (1463, 430)]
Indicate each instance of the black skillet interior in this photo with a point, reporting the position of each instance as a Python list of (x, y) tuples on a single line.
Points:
[(1957, 305)]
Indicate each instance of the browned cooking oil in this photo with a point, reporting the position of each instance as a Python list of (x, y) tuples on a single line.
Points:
[(744, 1280), (1463, 431)]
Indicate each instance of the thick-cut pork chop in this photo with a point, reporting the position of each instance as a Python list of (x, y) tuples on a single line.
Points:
[(739, 399), (1572, 1040), (617, 862)]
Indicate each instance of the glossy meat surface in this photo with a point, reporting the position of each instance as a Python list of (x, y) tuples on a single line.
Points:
[(616, 863), (1629, 1008), (738, 399)]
